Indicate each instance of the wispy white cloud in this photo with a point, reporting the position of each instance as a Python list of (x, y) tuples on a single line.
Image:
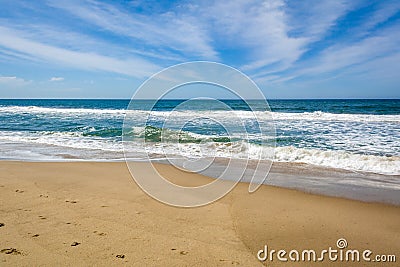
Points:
[(8, 56), (273, 34), (170, 30), (13, 81), (313, 18), (382, 69), (74, 40), (385, 10), (341, 57), (302, 25), (354, 52), (133, 66), (56, 79), (257, 27)]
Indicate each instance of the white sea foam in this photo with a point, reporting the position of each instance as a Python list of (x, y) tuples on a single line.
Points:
[(308, 116), (338, 140), (339, 159), (330, 159), (237, 149), (323, 116), (61, 139), (36, 110)]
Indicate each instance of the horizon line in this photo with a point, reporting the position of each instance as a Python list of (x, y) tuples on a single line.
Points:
[(200, 99)]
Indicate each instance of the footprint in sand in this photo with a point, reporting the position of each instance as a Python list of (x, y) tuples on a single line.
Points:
[(183, 252), (45, 196), (120, 256), (2, 224), (71, 201), (74, 244), (101, 234), (42, 217), (10, 251), (19, 191), (35, 235)]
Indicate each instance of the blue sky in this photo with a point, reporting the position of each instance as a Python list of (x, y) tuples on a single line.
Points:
[(291, 49)]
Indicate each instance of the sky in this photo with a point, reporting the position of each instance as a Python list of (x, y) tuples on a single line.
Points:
[(290, 49)]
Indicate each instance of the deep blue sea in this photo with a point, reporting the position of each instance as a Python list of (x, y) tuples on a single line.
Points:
[(358, 135)]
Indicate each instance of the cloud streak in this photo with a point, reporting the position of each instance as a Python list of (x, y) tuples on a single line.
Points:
[(56, 79), (177, 32), (344, 57), (135, 67), (13, 81)]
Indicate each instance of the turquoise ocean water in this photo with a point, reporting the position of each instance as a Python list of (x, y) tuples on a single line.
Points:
[(357, 135)]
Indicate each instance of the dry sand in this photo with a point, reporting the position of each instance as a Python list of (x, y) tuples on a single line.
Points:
[(57, 214)]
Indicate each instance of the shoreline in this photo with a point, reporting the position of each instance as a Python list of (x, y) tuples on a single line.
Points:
[(326, 181), (47, 207)]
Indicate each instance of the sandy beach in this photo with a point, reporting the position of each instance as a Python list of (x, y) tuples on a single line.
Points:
[(200, 133), (94, 214)]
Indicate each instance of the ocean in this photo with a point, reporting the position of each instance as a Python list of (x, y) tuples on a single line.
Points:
[(354, 135)]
